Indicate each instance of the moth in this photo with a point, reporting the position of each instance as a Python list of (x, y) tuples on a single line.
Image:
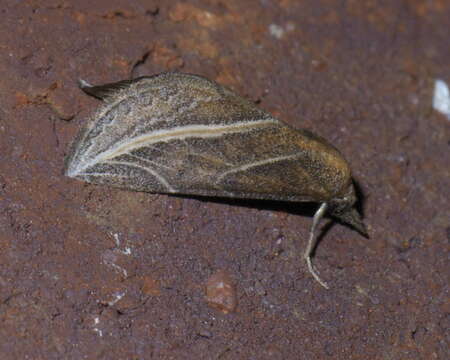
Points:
[(180, 133)]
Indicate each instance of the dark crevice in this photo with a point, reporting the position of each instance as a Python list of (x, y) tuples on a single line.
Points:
[(139, 63), (2, 183), (120, 14), (152, 12), (55, 133)]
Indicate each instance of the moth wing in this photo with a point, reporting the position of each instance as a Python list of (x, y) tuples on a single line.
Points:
[(181, 133)]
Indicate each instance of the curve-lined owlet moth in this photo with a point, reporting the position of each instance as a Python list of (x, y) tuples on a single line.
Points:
[(184, 134)]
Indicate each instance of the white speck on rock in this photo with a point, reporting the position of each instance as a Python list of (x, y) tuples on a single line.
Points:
[(116, 238), (127, 251), (120, 269), (97, 330), (441, 97), (276, 31), (117, 297)]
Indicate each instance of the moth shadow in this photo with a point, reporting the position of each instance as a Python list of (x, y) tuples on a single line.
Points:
[(295, 208), (361, 198)]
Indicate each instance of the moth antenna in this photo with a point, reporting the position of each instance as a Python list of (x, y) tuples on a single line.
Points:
[(312, 242)]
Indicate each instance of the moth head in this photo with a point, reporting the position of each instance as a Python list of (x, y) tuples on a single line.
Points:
[(343, 208)]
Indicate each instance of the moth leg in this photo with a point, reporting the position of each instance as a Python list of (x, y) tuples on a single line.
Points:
[(312, 242)]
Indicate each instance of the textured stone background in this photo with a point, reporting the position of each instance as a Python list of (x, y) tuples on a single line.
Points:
[(100, 273)]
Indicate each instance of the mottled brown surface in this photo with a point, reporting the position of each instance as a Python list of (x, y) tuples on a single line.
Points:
[(99, 273)]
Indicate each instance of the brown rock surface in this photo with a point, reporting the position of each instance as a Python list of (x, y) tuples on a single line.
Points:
[(99, 273)]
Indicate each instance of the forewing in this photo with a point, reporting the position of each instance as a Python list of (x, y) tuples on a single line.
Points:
[(180, 133)]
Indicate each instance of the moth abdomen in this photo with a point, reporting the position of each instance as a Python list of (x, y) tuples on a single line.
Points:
[(182, 133)]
